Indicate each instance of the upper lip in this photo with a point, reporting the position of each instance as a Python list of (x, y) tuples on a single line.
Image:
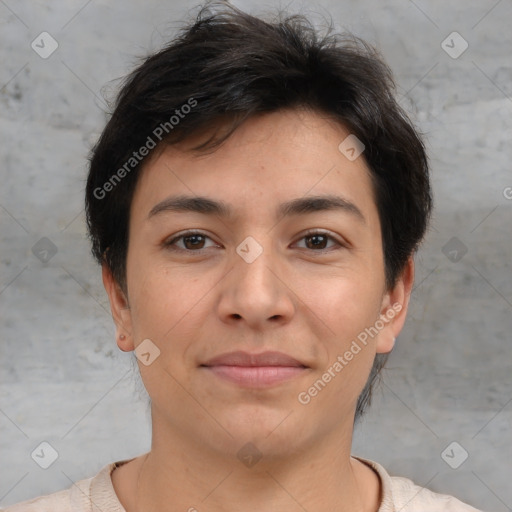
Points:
[(240, 358)]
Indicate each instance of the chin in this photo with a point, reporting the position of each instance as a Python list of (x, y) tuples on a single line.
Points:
[(273, 428)]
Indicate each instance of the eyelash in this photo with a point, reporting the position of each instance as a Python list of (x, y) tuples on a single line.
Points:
[(172, 247)]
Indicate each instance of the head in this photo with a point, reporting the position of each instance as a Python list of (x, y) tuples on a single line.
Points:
[(253, 115)]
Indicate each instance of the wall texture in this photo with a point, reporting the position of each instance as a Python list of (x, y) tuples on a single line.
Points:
[(63, 380)]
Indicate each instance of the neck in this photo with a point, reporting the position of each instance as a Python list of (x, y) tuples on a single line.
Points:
[(180, 475)]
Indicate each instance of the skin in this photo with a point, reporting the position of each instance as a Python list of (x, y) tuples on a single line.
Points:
[(308, 301)]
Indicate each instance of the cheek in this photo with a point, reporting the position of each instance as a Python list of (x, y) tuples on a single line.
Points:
[(348, 309), (150, 298), (346, 305), (162, 310), (165, 303)]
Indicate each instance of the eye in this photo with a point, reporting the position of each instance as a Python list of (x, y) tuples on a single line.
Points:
[(193, 241), (317, 240)]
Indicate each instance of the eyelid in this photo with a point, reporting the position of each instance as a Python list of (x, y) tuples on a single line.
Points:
[(329, 234), (169, 243)]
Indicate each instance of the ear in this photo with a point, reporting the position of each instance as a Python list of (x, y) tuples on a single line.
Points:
[(120, 310), (395, 304)]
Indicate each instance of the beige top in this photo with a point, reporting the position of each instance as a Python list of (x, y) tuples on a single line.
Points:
[(97, 494)]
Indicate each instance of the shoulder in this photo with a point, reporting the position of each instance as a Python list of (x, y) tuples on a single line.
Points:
[(79, 497), (56, 502), (61, 501), (413, 498), (399, 493)]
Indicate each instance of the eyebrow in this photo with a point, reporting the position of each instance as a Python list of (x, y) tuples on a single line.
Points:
[(299, 206)]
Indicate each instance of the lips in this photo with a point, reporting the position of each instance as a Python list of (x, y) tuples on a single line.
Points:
[(255, 370), (246, 359)]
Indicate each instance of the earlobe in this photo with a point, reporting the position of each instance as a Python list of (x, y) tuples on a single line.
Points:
[(120, 310), (125, 343), (385, 343)]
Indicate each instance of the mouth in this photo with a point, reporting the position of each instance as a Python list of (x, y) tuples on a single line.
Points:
[(255, 370)]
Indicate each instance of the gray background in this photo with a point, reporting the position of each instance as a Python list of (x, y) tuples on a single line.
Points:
[(64, 381)]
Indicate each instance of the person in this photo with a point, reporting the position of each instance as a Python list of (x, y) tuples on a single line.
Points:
[(255, 201)]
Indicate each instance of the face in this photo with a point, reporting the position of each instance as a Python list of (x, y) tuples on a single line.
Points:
[(264, 302)]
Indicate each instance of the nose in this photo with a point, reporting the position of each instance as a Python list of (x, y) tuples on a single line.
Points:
[(256, 292)]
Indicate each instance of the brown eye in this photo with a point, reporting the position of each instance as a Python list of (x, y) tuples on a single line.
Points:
[(192, 241), (318, 241)]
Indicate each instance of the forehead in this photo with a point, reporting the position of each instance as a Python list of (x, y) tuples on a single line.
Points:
[(271, 158)]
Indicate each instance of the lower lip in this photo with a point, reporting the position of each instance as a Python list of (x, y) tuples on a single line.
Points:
[(256, 376)]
